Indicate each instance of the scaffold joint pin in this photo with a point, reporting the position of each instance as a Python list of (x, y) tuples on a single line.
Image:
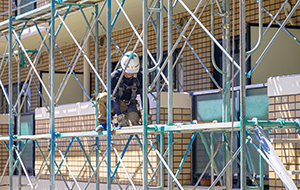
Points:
[(281, 121)]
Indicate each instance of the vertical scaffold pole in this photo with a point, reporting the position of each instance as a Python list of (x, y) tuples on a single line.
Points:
[(108, 54), (212, 162), (159, 26), (19, 124), (261, 169), (170, 93), (226, 79), (226, 62), (243, 92), (51, 87), (96, 93), (10, 98), (212, 14), (145, 95)]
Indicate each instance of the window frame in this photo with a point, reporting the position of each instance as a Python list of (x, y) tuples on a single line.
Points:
[(3, 101)]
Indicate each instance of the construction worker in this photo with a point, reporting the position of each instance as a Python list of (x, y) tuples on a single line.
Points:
[(124, 102)]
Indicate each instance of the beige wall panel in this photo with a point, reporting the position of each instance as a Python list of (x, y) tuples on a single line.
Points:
[(281, 59)]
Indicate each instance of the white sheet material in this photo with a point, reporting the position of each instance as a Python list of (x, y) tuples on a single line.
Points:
[(284, 85)]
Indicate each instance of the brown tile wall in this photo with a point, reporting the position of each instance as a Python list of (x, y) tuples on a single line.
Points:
[(41, 3), (4, 131), (286, 107), (180, 116), (195, 77), (132, 158), (75, 157), (3, 8)]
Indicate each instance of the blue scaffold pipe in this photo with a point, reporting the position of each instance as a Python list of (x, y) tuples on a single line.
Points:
[(65, 182), (13, 2), (60, 24), (108, 80), (5, 145), (42, 154), (186, 153), (140, 143), (208, 33), (122, 155), (10, 151), (24, 169), (291, 35), (86, 156), (51, 96), (207, 71), (20, 33), (111, 38), (166, 165), (74, 75), (20, 7), (117, 15), (83, 5), (86, 21), (39, 31), (84, 166), (21, 152), (62, 177), (282, 26), (39, 92), (207, 149), (63, 80), (5, 93), (151, 19), (66, 152), (39, 148), (170, 97), (96, 93)]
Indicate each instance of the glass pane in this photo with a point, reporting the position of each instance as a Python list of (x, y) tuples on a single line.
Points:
[(27, 8), (27, 128)]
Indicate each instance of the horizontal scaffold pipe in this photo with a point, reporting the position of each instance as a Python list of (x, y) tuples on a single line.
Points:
[(179, 127)]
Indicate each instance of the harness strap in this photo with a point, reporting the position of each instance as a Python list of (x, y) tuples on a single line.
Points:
[(133, 88), (121, 88), (133, 91)]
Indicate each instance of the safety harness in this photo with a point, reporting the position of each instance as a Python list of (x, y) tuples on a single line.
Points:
[(133, 88)]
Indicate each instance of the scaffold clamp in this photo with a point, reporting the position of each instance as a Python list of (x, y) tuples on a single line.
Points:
[(154, 128), (226, 26), (57, 134), (298, 125), (281, 121)]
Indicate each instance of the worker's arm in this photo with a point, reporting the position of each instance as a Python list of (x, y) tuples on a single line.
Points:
[(115, 102), (116, 106)]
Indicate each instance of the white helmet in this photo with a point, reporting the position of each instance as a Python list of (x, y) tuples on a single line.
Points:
[(133, 65)]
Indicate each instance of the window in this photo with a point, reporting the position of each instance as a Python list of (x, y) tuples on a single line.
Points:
[(218, 59), (4, 103), (27, 127), (27, 5), (177, 71)]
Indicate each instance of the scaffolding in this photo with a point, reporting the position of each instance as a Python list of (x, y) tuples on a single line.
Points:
[(13, 28)]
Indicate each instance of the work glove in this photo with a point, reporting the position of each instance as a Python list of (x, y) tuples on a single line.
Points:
[(122, 120)]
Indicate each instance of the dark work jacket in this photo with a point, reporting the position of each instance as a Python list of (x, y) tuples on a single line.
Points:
[(126, 82), (126, 96)]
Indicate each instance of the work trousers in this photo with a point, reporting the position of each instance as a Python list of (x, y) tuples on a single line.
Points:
[(130, 114)]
